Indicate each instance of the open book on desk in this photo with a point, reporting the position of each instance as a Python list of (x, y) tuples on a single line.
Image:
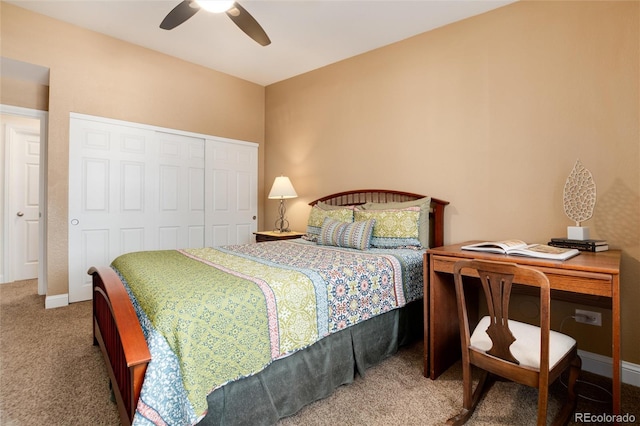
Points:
[(520, 248)]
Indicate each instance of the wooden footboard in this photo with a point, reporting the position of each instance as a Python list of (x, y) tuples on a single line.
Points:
[(118, 333)]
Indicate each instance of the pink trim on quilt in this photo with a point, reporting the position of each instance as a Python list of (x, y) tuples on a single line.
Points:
[(270, 299), (150, 414), (397, 280)]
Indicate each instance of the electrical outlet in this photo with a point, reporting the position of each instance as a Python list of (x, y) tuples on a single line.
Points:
[(588, 317)]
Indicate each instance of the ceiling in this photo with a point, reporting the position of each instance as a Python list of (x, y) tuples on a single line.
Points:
[(305, 34)]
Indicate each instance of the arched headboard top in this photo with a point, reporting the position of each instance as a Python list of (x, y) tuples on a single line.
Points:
[(362, 196)]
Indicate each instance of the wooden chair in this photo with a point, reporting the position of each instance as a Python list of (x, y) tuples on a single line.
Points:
[(523, 353)]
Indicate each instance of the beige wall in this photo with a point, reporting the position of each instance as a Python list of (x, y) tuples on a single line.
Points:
[(24, 94), (98, 75), (491, 114)]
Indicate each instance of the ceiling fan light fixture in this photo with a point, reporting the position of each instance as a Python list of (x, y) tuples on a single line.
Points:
[(243, 19), (215, 6)]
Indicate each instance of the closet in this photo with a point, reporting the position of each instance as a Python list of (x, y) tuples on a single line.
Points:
[(136, 187)]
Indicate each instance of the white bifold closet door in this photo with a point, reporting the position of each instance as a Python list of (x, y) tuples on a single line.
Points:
[(231, 201), (134, 188)]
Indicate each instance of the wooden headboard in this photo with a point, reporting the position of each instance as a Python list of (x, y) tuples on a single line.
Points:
[(361, 196)]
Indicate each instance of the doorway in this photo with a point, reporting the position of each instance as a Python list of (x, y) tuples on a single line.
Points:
[(23, 143)]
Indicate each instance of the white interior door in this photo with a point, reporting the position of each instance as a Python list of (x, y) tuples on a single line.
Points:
[(23, 195), (232, 192)]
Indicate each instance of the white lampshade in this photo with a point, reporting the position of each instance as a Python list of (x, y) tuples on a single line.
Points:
[(282, 188), (215, 6)]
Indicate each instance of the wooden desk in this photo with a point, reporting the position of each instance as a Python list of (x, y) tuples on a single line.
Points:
[(595, 274)]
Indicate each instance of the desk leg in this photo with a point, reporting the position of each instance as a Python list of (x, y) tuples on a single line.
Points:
[(615, 343), (425, 300), (444, 331)]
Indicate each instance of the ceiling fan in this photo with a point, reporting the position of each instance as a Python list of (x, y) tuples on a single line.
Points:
[(187, 8)]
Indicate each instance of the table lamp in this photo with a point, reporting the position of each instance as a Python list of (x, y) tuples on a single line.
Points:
[(282, 189)]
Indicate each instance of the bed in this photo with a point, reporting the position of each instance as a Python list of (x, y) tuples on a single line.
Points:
[(274, 364)]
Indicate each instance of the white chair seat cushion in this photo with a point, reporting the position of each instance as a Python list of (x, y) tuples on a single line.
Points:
[(526, 348)]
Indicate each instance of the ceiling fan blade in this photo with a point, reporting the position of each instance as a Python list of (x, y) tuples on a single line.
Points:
[(248, 24), (179, 14)]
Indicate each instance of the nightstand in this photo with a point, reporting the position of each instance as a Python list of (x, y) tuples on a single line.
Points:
[(276, 235)]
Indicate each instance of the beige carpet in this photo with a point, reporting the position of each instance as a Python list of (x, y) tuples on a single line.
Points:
[(51, 374)]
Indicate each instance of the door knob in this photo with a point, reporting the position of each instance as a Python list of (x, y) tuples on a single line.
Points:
[(20, 214)]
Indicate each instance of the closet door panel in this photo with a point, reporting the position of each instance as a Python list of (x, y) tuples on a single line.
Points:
[(221, 234), (95, 246), (180, 190), (132, 183), (231, 181), (196, 236), (132, 239), (168, 237), (95, 191)]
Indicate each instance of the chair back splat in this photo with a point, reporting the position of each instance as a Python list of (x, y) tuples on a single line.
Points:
[(497, 290)]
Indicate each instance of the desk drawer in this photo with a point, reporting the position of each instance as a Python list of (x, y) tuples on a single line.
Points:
[(592, 283), (582, 282), (443, 263)]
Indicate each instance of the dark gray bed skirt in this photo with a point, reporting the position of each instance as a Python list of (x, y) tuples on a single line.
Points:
[(288, 384)]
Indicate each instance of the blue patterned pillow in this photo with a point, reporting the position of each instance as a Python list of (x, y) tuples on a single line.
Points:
[(318, 215), (355, 235)]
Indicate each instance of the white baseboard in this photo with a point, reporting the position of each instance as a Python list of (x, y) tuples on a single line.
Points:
[(602, 366), (56, 301)]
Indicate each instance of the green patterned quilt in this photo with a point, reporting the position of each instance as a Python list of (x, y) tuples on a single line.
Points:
[(228, 312)]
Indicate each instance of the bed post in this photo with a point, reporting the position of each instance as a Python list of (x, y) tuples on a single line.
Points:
[(438, 221)]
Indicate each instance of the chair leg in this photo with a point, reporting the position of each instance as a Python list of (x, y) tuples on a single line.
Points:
[(543, 400), (574, 374), (569, 407), (486, 380)]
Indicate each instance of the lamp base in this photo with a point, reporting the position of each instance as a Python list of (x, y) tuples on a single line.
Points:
[(282, 224), (578, 232)]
